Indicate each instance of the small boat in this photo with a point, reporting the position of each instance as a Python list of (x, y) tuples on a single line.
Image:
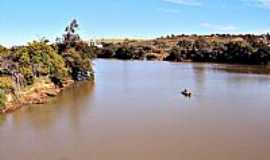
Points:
[(186, 93)]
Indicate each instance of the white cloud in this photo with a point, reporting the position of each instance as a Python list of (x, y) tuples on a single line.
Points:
[(216, 28), (185, 2)]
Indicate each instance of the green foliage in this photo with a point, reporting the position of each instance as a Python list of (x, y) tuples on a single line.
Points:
[(70, 57), (21, 55), (45, 60), (5, 83), (124, 53), (228, 52), (79, 64), (2, 99), (39, 59), (219, 48), (27, 74), (3, 51), (77, 54), (175, 54)]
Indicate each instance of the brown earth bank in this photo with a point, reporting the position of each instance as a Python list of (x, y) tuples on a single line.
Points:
[(38, 93)]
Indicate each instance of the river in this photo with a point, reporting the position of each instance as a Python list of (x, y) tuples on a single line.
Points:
[(135, 111)]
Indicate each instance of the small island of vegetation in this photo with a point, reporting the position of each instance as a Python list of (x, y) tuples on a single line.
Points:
[(30, 74)]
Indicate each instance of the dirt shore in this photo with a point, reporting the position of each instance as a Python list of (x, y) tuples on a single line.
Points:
[(39, 93)]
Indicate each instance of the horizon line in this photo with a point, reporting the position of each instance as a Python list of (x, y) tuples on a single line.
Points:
[(84, 38)]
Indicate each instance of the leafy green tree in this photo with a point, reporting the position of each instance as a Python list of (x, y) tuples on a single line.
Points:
[(77, 54)]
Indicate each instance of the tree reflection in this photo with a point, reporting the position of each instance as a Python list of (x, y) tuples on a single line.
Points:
[(69, 105), (2, 120)]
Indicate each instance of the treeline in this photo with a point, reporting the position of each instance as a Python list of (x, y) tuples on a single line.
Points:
[(240, 49), (68, 58)]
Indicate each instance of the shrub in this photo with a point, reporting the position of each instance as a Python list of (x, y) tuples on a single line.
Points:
[(5, 83), (152, 56), (123, 53), (3, 51), (2, 99), (39, 59), (45, 60), (174, 55)]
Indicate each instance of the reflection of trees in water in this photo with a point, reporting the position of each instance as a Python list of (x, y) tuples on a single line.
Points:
[(69, 105), (242, 69), (255, 69), (233, 74), (199, 71), (79, 100), (243, 79), (244, 74), (2, 120), (126, 76)]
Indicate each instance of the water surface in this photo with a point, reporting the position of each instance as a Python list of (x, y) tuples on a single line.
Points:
[(135, 111)]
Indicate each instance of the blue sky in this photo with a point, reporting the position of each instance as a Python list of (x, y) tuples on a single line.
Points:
[(26, 20)]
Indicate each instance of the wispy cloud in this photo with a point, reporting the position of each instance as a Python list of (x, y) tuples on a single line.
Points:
[(260, 3), (216, 27), (185, 2)]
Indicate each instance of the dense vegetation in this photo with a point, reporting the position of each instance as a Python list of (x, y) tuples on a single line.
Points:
[(241, 49), (68, 58)]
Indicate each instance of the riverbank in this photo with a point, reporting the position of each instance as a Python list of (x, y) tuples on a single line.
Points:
[(230, 49), (32, 73), (38, 93)]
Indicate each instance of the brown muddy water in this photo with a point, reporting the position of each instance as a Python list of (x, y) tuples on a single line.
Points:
[(135, 111)]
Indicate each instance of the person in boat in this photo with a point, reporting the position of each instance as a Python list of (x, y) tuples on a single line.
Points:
[(187, 93)]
